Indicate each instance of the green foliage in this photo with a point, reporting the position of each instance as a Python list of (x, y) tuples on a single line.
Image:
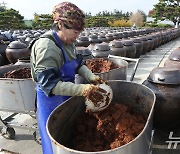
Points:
[(2, 9), (167, 9), (11, 19), (96, 21), (143, 14), (42, 21), (106, 19), (158, 25), (120, 23), (115, 14)]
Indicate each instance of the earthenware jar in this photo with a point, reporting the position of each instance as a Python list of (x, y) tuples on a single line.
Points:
[(130, 48), (16, 50), (117, 48), (102, 38), (1, 60), (173, 60), (165, 83), (2, 52), (109, 37), (151, 42), (145, 44), (101, 50), (85, 52), (82, 41), (139, 46), (93, 39)]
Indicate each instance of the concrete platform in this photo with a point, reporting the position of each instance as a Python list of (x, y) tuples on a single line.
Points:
[(24, 142)]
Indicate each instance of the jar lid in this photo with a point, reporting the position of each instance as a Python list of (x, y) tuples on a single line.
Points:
[(175, 55), (93, 36), (83, 51), (128, 43), (136, 40), (164, 75), (83, 38), (102, 47), (16, 45), (116, 44), (144, 39), (101, 36)]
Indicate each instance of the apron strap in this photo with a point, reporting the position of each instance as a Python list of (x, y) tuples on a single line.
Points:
[(60, 45)]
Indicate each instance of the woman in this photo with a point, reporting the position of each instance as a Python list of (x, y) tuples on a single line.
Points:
[(55, 63)]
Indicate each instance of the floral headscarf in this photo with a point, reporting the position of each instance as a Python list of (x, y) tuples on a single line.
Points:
[(70, 15)]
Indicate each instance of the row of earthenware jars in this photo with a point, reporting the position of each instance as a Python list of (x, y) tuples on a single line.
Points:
[(137, 45), (150, 39)]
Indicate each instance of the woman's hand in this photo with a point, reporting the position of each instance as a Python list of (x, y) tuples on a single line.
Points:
[(97, 80)]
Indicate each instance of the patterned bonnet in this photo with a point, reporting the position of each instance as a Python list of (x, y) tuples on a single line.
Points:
[(70, 15)]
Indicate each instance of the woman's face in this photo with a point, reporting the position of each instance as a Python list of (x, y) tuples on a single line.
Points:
[(68, 36)]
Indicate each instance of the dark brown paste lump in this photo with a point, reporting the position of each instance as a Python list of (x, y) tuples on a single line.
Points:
[(20, 73), (100, 65), (111, 128)]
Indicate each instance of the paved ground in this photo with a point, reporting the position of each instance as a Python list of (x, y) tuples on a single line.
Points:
[(24, 142)]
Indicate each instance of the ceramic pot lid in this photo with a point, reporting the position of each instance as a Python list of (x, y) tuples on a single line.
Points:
[(93, 36), (175, 55), (101, 36), (164, 75), (17, 45), (102, 47), (136, 40), (116, 44), (144, 39), (83, 51), (83, 38), (128, 43)]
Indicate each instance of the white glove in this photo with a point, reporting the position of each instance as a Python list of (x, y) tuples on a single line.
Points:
[(97, 80), (98, 97)]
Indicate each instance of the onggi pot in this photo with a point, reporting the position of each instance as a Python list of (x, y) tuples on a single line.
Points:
[(101, 50), (130, 48), (16, 50), (117, 48), (173, 59), (139, 46), (1, 60), (165, 83)]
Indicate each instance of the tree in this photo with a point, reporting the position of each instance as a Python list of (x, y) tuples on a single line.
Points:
[(42, 21), (151, 12), (96, 21), (11, 19), (120, 23), (143, 14), (167, 9), (137, 18)]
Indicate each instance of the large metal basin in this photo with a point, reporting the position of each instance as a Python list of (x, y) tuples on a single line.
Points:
[(114, 74), (16, 94), (60, 124)]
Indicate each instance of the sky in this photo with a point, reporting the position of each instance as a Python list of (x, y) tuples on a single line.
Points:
[(27, 8)]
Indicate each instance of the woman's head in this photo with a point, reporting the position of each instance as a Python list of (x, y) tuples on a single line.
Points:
[(69, 16)]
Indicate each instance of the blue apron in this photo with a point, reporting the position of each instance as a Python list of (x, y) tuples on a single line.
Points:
[(45, 105)]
